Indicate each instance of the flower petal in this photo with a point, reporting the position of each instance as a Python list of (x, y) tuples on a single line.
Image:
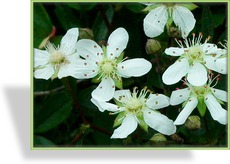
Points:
[(179, 96), (157, 101), (217, 112), (197, 74), (210, 63), (189, 107), (174, 51), (159, 122), (44, 73), (84, 69), (69, 40), (117, 42), (221, 65), (89, 50), (184, 19), (120, 95), (102, 106), (134, 67), (155, 21), (105, 90), (176, 71), (209, 48), (41, 57), (129, 124), (220, 94)]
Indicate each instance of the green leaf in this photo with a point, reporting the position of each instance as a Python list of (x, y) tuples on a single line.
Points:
[(190, 6), (207, 21), (66, 16), (151, 7), (40, 141), (82, 6), (136, 8), (201, 106), (99, 27), (42, 24), (57, 110)]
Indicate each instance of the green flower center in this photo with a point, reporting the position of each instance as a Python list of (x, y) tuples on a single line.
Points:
[(134, 105), (108, 68), (194, 54), (57, 59)]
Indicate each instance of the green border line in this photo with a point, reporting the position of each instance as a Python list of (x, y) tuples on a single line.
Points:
[(114, 148)]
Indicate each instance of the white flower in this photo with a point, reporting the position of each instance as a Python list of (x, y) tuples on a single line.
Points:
[(134, 109), (106, 64), (200, 97), (157, 18), (57, 61), (194, 60)]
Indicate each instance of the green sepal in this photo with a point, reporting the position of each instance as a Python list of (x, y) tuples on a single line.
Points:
[(201, 106), (118, 120), (96, 79), (190, 6), (142, 122), (151, 7), (118, 103), (120, 57), (55, 75), (221, 102), (118, 83), (104, 50), (169, 22)]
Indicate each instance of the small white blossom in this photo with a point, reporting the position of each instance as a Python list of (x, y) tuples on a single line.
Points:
[(162, 13), (57, 61), (195, 58), (138, 108), (107, 64), (200, 97)]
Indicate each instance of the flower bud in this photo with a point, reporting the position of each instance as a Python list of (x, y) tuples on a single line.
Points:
[(152, 46), (85, 33), (158, 138), (193, 123), (174, 32)]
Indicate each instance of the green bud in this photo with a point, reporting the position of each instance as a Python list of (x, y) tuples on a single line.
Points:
[(152, 46), (158, 138), (85, 33), (193, 122)]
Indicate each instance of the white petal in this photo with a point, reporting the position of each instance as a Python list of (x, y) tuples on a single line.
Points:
[(69, 40), (134, 67), (89, 50), (217, 112), (129, 124), (102, 106), (209, 48), (41, 57), (155, 21), (157, 101), (179, 96), (44, 73), (189, 107), (117, 42), (105, 90), (210, 63), (197, 74), (159, 122), (221, 65), (120, 95), (64, 71), (184, 19), (220, 94), (174, 51), (176, 71), (84, 69)]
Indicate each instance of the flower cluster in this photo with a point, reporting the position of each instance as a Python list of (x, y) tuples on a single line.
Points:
[(106, 65)]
